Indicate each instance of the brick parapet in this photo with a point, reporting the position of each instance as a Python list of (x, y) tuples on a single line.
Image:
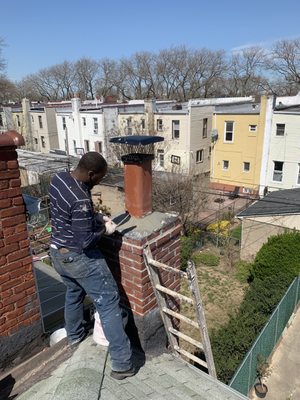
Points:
[(18, 296), (125, 258)]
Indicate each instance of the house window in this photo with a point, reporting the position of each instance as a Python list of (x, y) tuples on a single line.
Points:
[(280, 128), (229, 131), (204, 128), (129, 126), (161, 158), (278, 171), (225, 164), (35, 141), (175, 160), (87, 145), (95, 125), (64, 125), (209, 151), (159, 125), (83, 121), (43, 141), (142, 123), (298, 180), (1, 120), (40, 121), (246, 165), (98, 147), (252, 128), (175, 129), (199, 156), (74, 146), (18, 121)]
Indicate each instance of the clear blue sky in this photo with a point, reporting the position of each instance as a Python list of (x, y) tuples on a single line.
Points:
[(39, 34)]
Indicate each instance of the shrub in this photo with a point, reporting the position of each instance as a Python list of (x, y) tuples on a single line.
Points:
[(209, 259), (243, 271), (219, 228), (275, 266)]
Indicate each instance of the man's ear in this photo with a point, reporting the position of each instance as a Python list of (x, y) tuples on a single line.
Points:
[(91, 174)]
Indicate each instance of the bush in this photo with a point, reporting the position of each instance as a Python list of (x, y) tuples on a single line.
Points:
[(219, 228), (209, 259), (243, 271), (188, 244), (275, 266)]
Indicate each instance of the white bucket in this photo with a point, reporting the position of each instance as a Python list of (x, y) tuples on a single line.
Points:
[(98, 334), (57, 336)]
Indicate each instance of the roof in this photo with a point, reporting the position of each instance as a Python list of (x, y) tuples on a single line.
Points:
[(243, 108), (86, 376), (281, 202)]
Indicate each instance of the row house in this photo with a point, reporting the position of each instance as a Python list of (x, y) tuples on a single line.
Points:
[(282, 166), (237, 142), (186, 128), (256, 146)]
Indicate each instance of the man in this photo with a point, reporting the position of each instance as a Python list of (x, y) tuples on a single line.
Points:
[(76, 229)]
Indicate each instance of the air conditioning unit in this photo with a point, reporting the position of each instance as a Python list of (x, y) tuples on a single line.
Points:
[(214, 135)]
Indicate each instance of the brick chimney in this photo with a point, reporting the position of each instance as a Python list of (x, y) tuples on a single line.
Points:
[(20, 320), (137, 159), (124, 250)]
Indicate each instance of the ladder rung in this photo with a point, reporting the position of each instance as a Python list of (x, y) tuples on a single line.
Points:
[(179, 316), (186, 338), (166, 267), (191, 356), (174, 294)]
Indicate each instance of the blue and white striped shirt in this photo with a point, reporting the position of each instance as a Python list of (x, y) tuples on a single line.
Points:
[(74, 222)]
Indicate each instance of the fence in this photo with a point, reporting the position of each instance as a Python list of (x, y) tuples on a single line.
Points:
[(244, 378)]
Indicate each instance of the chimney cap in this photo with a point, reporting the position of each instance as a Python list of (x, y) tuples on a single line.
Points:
[(136, 140)]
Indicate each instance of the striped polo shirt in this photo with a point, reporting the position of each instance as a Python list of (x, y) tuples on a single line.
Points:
[(74, 223)]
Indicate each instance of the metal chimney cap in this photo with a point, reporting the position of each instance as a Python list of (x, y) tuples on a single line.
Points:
[(136, 140)]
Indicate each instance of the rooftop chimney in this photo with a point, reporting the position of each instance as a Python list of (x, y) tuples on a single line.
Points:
[(137, 158)]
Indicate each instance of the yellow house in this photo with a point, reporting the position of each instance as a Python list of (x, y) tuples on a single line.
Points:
[(238, 134)]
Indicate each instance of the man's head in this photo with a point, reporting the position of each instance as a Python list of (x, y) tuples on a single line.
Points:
[(91, 168)]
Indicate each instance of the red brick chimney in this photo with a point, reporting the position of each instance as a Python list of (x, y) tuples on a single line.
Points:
[(20, 320), (124, 251)]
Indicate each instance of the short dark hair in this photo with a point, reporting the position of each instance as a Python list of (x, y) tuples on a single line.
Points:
[(92, 161)]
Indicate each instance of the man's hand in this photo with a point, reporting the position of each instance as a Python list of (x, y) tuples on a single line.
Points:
[(110, 226)]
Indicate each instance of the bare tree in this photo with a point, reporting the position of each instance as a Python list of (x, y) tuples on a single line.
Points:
[(284, 60), (8, 91), (185, 195), (86, 72), (63, 76), (245, 72)]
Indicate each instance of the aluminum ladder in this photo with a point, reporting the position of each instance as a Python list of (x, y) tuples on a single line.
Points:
[(160, 291)]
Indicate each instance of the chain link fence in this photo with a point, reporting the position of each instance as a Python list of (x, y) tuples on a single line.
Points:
[(245, 376)]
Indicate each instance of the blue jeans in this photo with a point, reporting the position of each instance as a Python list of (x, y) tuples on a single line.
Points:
[(88, 274)]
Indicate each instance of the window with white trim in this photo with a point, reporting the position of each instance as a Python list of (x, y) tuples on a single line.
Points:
[(40, 121), (175, 129), (64, 125), (225, 164), (18, 120), (228, 134), (246, 166), (87, 145), (129, 126), (83, 121), (43, 141), (199, 156), (98, 147), (95, 120), (159, 125), (204, 128), (252, 128), (278, 171), (280, 128), (161, 158)]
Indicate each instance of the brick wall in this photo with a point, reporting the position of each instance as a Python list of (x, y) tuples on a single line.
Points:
[(124, 255), (20, 318)]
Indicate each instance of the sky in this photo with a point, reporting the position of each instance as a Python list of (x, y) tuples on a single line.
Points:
[(41, 33)]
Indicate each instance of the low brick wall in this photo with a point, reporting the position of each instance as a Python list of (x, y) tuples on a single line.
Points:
[(20, 320)]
